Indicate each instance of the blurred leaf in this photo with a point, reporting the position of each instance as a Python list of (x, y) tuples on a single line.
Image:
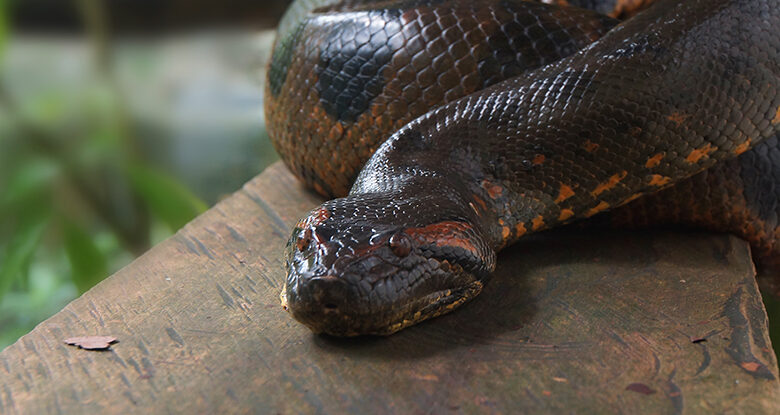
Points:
[(18, 252), (33, 177), (87, 262), (168, 199), (49, 290), (46, 109)]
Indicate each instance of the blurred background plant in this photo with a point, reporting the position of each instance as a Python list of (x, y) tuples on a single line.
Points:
[(120, 121)]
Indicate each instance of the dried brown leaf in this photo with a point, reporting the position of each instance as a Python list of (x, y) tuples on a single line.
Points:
[(92, 342)]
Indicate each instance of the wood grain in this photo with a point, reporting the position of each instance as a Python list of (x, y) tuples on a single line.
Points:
[(572, 322)]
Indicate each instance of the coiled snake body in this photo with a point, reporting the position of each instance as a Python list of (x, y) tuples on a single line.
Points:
[(492, 120)]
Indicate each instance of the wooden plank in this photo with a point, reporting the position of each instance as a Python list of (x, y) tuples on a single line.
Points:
[(571, 322)]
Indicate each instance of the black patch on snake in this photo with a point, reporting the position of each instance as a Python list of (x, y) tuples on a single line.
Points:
[(283, 54), (349, 73)]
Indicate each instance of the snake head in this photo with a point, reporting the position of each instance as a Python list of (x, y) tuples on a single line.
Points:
[(371, 265)]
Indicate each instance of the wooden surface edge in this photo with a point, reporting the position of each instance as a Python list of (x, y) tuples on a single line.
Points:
[(200, 330)]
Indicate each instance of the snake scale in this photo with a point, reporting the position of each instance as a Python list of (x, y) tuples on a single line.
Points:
[(449, 129)]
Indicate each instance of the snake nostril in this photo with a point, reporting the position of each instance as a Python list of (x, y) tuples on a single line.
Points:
[(331, 308), (400, 244)]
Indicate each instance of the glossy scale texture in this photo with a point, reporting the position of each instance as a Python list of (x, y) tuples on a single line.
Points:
[(344, 79), (681, 88)]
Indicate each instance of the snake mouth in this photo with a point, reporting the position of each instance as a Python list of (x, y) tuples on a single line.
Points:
[(328, 305)]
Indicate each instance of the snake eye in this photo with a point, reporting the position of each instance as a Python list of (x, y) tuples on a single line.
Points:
[(305, 240), (400, 244)]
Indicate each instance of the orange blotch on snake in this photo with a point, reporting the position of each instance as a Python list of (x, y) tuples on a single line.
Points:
[(336, 132), (658, 180), (776, 120), (481, 202), (655, 160), (590, 146), (627, 8), (440, 228), (631, 198), (537, 223), (378, 110), (609, 184), (700, 153), (494, 190), (677, 118), (520, 229), (447, 233), (565, 214), (505, 232), (750, 366), (742, 147), (304, 241), (599, 208), (318, 217), (564, 193), (539, 159)]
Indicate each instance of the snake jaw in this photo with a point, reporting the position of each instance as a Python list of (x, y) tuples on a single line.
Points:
[(438, 303), (394, 318)]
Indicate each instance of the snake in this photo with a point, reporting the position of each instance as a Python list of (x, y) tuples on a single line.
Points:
[(446, 130)]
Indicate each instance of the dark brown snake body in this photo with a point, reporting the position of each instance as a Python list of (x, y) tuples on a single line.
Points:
[(671, 116)]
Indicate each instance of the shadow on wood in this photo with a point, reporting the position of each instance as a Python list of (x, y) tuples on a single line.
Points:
[(574, 322)]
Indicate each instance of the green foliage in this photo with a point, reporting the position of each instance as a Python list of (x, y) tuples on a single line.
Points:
[(45, 293), (75, 197), (30, 181), (168, 199), (87, 263), (15, 261)]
